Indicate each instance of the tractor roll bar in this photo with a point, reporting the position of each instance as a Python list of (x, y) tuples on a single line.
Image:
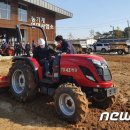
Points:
[(32, 26)]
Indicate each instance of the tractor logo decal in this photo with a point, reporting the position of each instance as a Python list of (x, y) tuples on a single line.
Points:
[(69, 70)]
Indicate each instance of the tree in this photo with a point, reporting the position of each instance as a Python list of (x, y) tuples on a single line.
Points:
[(118, 34), (91, 33), (97, 35), (126, 32), (118, 28), (107, 35), (70, 36)]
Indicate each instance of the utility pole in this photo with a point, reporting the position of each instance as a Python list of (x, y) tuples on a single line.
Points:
[(113, 32), (128, 29)]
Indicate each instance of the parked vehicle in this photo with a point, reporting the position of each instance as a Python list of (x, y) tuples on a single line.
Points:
[(99, 47), (90, 48), (119, 47)]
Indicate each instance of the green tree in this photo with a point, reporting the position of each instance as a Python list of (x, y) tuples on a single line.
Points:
[(126, 32), (118, 34)]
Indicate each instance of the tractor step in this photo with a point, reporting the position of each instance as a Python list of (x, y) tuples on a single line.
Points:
[(46, 90), (47, 81), (47, 86)]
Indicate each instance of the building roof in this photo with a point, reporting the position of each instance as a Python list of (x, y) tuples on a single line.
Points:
[(60, 13)]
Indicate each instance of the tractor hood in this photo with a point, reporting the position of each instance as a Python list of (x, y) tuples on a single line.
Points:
[(87, 70), (74, 57)]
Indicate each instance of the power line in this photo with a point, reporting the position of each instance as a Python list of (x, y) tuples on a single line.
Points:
[(92, 26), (128, 28)]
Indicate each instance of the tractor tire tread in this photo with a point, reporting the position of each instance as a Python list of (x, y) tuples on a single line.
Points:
[(80, 101)]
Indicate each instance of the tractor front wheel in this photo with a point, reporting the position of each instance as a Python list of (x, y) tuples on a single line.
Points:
[(71, 103), (104, 103)]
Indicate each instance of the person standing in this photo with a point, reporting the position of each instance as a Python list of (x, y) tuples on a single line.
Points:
[(33, 45), (27, 49), (23, 48), (64, 45), (17, 49), (4, 44), (95, 48)]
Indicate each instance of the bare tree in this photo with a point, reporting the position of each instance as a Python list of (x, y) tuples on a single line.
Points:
[(70, 36), (91, 33)]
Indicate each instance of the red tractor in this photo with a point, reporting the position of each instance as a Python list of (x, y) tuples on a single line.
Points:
[(77, 79)]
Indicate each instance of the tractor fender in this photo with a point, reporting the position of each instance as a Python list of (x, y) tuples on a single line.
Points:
[(31, 62)]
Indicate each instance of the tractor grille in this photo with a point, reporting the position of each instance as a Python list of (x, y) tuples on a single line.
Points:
[(104, 73)]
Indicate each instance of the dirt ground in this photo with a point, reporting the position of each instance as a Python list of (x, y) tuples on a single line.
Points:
[(40, 114)]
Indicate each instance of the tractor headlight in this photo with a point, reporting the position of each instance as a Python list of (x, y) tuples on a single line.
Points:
[(105, 62), (96, 62), (99, 63), (102, 69)]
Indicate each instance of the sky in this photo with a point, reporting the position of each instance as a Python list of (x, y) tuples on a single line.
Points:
[(97, 15)]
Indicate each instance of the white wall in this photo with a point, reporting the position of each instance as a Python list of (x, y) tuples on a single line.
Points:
[(90, 41)]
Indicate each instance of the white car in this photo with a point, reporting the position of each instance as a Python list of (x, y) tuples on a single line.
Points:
[(128, 42), (90, 48), (100, 47)]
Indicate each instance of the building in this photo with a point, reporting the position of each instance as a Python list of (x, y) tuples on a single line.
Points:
[(91, 41), (81, 44), (35, 12)]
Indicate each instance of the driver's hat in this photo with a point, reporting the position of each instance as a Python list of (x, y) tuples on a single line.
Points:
[(41, 42)]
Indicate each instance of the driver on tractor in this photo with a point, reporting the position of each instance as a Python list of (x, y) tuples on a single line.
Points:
[(43, 55), (64, 46)]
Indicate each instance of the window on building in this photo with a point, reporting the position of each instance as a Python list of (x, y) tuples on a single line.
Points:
[(5, 9), (22, 13)]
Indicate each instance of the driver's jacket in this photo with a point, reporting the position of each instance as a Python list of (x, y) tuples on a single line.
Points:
[(41, 54)]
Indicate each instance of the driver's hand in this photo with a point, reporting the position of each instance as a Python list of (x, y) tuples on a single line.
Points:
[(52, 57), (64, 53)]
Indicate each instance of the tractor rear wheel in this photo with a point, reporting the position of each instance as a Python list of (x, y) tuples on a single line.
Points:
[(23, 86), (71, 103)]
